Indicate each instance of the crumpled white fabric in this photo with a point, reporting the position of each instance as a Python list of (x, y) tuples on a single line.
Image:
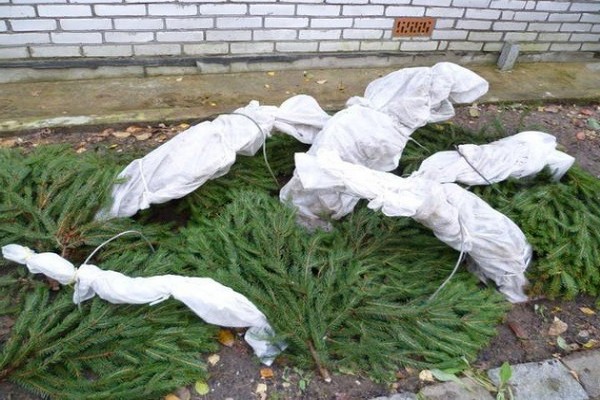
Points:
[(213, 302), (518, 156), (207, 151), (374, 129), (496, 247)]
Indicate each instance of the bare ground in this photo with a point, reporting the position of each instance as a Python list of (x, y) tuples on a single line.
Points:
[(524, 336)]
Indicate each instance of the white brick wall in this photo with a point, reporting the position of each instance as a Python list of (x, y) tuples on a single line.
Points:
[(126, 28)]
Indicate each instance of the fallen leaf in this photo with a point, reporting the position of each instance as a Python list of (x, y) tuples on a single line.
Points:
[(267, 86), (341, 87), (580, 135), (179, 79), (213, 104), (113, 146), (552, 109), (121, 134), (271, 73), (586, 111), (593, 123), (201, 388), (53, 284), (184, 393), (261, 388), (518, 330), (183, 126), (575, 375), (213, 359), (226, 337), (81, 150), (266, 373), (321, 81), (590, 344), (171, 396), (426, 376), (143, 136), (106, 132), (134, 129), (444, 376), (474, 112), (557, 327), (562, 343), (587, 311)]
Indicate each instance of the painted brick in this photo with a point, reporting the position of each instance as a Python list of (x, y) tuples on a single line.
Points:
[(530, 16), (348, 1), (532, 46), (297, 47), (127, 9), (128, 37), (156, 49), (509, 26), (206, 48), (8, 39), (361, 33), (13, 52), (566, 27), (29, 25), (252, 47), (276, 34), (186, 36), (564, 17), (189, 23), (585, 37), (3, 27), (35, 1), (135, 1), (172, 9), (473, 24), (64, 11), (471, 3), (436, 3), (55, 51), (346, 45), (107, 50), (492, 46), (508, 4), (485, 36), (482, 14), (449, 34), (223, 9), (379, 46), (272, 9), (239, 22), (565, 46), (590, 47), (592, 6), (79, 37), (508, 15), (138, 24), (17, 11), (381, 23), (596, 28), (445, 12), (554, 37), (390, 2), (334, 22), (318, 10), (520, 36), (405, 11), (85, 24), (590, 17), (418, 46), (442, 23), (543, 27), (92, 1), (552, 6), (318, 34), (286, 22), (233, 36), (465, 46), (530, 5), (362, 10)]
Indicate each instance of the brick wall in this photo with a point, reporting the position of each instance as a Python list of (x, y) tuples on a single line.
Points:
[(80, 29)]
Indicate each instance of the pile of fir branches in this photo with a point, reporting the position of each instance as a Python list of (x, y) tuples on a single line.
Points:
[(353, 299)]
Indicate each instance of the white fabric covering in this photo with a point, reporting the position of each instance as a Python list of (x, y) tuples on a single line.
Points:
[(496, 247), (207, 151), (519, 156), (373, 129), (213, 302)]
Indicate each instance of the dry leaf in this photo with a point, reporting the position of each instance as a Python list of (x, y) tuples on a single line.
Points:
[(590, 344), (518, 330), (426, 376), (575, 375), (557, 327), (226, 337), (134, 129), (322, 81), (261, 391), (580, 135), (212, 104), (171, 396), (143, 136), (552, 109), (184, 393), (113, 146), (271, 73), (474, 112), (201, 388), (121, 134), (183, 126), (179, 79), (587, 311), (267, 86), (213, 359), (586, 111), (81, 150), (266, 373)]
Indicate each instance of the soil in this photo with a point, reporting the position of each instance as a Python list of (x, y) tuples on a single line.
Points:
[(531, 331)]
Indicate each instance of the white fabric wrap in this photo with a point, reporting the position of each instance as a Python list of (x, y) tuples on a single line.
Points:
[(519, 156), (496, 247), (207, 151), (373, 130), (213, 302)]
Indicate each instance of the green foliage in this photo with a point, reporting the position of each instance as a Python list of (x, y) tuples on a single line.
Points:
[(354, 298)]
